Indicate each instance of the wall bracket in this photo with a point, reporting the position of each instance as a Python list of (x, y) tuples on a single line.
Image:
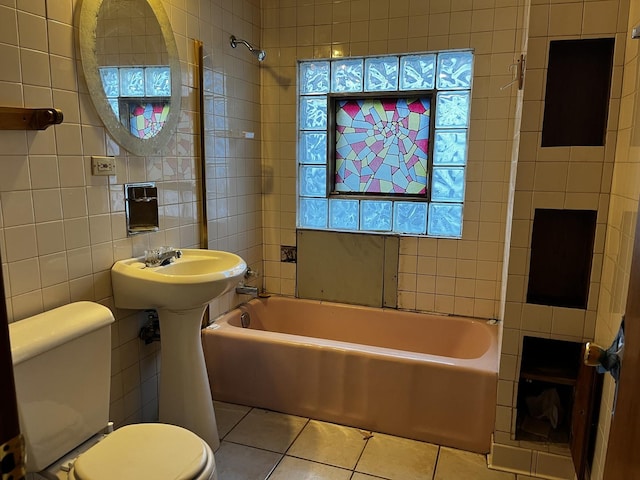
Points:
[(18, 118)]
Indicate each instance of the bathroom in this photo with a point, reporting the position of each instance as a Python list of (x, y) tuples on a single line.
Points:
[(62, 228)]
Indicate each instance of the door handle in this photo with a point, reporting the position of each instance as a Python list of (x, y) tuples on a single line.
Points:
[(593, 354)]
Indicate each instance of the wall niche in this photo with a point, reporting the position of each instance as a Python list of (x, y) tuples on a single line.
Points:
[(548, 375), (577, 94), (558, 399), (561, 257)]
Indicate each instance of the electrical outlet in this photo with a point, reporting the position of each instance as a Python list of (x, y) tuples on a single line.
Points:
[(103, 165)]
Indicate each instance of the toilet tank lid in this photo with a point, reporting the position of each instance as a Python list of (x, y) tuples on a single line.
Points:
[(34, 335)]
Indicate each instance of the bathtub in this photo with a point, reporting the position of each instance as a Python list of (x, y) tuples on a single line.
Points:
[(420, 376)]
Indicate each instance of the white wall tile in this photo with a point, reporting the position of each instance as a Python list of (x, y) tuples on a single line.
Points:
[(600, 17), (35, 68), (79, 262), (17, 208), (565, 19), (61, 39), (47, 205), (8, 26), (553, 466), (74, 202), (50, 237), (10, 58), (510, 458), (24, 276), (20, 243), (53, 269), (32, 31), (44, 171)]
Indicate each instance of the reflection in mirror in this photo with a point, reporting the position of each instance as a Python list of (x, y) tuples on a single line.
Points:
[(131, 64)]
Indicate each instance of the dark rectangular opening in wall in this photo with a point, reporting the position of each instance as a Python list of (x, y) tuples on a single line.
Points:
[(548, 376), (561, 257), (577, 94)]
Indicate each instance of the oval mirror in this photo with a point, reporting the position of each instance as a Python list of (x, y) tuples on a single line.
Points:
[(131, 65)]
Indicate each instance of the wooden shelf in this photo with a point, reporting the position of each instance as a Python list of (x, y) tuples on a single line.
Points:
[(551, 376), (17, 118)]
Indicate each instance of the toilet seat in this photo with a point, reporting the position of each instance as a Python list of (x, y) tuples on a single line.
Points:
[(147, 450)]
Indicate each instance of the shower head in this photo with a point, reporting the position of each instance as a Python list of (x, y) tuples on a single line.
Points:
[(259, 54)]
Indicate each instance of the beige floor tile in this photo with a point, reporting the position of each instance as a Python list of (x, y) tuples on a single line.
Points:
[(228, 415), (398, 458), (460, 465), (296, 468), (239, 462), (363, 476), (328, 443), (269, 430)]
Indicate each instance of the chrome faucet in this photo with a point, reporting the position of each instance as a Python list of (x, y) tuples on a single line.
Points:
[(243, 289), (247, 290), (160, 257)]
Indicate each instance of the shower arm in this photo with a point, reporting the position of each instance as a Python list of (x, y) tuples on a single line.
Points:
[(260, 54)]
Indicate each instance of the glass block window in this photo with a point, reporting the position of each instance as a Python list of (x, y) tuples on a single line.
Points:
[(382, 143), (138, 96)]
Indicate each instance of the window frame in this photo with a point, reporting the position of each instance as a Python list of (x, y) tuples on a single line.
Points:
[(332, 99)]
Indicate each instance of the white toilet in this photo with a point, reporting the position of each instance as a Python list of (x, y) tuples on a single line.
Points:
[(62, 368)]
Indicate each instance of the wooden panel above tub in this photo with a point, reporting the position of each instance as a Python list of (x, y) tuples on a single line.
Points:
[(353, 268)]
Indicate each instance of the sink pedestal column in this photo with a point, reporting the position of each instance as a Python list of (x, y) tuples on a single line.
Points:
[(185, 395)]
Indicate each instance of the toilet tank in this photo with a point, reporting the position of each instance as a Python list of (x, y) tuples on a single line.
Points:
[(62, 369)]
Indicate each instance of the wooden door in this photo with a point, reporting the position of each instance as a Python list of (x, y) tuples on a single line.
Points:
[(584, 418), (623, 453)]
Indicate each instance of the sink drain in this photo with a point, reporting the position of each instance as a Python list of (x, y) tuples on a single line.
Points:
[(245, 320)]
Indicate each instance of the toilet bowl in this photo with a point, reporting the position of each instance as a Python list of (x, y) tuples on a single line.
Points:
[(61, 363)]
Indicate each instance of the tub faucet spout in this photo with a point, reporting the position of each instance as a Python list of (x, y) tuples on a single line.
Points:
[(247, 290)]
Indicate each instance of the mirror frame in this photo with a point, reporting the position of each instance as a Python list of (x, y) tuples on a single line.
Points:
[(88, 23)]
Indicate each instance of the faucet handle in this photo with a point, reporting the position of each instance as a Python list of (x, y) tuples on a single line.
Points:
[(151, 256), (250, 273)]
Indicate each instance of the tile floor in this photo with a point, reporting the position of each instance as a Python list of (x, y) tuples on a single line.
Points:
[(259, 444)]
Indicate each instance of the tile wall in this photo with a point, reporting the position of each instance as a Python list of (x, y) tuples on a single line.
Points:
[(61, 229), (622, 219), (563, 178), (451, 276)]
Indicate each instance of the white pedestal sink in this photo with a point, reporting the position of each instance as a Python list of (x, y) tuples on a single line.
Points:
[(180, 292)]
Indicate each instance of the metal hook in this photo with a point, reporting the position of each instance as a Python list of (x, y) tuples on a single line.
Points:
[(519, 78)]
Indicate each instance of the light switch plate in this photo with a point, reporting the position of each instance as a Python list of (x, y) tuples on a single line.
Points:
[(103, 166)]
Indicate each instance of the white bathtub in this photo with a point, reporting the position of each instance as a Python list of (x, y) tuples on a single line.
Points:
[(426, 377)]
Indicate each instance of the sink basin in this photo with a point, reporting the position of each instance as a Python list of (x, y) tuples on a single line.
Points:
[(188, 282)]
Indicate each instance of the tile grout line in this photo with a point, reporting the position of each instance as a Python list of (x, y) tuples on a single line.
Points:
[(435, 464), (235, 424), (366, 442), (308, 420), (284, 454)]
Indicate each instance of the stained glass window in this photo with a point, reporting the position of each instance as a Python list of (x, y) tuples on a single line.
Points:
[(397, 159), (382, 145), (147, 119)]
